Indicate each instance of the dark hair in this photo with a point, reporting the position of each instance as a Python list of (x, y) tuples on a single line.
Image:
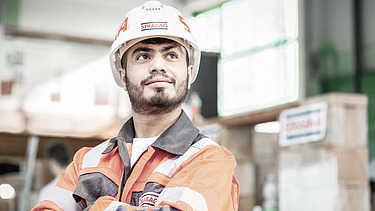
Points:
[(157, 40), (59, 152)]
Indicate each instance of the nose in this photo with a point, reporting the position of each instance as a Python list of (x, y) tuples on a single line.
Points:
[(157, 65)]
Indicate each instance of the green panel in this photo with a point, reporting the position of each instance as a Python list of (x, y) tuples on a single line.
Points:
[(368, 87), (10, 12), (338, 84), (331, 69)]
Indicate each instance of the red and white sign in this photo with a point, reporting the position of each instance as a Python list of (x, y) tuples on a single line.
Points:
[(303, 124)]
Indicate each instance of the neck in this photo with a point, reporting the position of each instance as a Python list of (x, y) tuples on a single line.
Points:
[(147, 126)]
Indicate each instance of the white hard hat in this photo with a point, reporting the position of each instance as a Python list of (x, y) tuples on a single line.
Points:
[(152, 19)]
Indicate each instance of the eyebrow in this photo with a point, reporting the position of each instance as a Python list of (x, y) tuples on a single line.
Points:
[(147, 49), (172, 46), (139, 49)]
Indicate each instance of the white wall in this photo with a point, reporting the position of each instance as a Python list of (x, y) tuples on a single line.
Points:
[(66, 17)]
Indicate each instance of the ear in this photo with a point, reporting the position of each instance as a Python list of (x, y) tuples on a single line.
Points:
[(190, 75), (122, 73)]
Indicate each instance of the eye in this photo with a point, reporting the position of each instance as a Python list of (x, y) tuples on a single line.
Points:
[(143, 57), (172, 56)]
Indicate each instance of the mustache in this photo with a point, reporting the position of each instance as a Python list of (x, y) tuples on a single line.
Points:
[(144, 81)]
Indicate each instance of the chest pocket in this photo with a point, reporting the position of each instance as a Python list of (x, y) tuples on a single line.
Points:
[(148, 197)]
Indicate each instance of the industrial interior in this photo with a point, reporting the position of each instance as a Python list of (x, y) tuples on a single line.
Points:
[(287, 86)]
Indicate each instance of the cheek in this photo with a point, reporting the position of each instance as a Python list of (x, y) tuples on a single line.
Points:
[(181, 78), (134, 75), (182, 71)]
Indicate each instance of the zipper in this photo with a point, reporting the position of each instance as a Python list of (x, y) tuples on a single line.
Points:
[(125, 176)]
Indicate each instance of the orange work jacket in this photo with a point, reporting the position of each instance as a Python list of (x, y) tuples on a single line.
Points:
[(181, 170)]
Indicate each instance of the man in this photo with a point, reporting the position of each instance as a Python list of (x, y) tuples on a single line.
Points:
[(159, 160)]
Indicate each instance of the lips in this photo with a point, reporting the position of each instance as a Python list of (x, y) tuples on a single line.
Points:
[(157, 80)]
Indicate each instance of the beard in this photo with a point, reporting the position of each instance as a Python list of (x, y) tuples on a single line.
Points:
[(159, 102)]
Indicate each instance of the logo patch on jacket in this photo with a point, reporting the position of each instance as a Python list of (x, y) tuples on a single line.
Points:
[(148, 199)]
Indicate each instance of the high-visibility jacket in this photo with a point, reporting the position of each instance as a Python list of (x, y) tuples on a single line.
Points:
[(181, 170)]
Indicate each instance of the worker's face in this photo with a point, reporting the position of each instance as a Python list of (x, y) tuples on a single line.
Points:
[(157, 77)]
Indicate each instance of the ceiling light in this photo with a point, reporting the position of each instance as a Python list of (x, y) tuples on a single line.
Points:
[(268, 127)]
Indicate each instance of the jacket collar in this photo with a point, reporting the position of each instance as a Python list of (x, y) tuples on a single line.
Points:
[(176, 139)]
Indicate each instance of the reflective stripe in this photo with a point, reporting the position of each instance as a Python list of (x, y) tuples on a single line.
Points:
[(169, 167), (115, 205), (187, 195), (63, 198), (92, 158)]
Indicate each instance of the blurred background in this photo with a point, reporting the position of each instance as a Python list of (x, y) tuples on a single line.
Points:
[(288, 86)]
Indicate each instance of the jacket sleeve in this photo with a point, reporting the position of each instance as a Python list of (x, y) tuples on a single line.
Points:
[(204, 181), (60, 196)]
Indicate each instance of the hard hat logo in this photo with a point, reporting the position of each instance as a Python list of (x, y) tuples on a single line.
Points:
[(183, 22), (153, 20), (154, 25), (123, 27)]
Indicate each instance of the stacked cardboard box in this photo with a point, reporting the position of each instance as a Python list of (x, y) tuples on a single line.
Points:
[(331, 174), (237, 139)]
